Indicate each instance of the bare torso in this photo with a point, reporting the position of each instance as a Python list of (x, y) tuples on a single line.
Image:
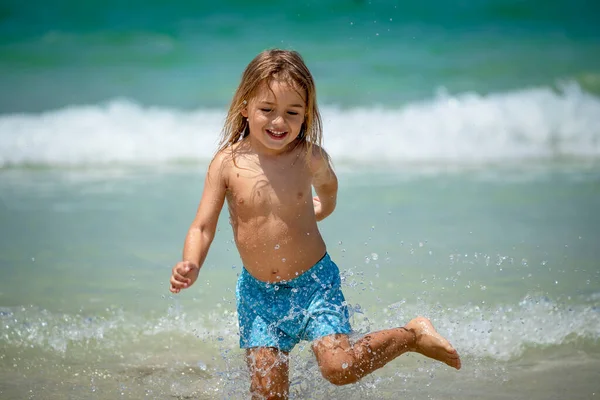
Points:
[(272, 214)]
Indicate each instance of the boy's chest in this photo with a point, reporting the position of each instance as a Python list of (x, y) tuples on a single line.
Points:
[(258, 190)]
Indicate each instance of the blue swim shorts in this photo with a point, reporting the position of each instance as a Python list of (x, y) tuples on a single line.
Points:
[(281, 314)]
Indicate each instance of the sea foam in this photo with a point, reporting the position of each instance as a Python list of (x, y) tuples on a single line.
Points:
[(529, 124), (502, 332)]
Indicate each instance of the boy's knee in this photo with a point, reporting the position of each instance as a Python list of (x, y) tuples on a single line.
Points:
[(339, 375), (269, 373)]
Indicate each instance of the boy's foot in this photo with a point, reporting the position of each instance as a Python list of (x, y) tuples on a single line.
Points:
[(431, 344)]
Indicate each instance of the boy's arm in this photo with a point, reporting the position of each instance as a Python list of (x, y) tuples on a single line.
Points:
[(202, 230), (325, 183)]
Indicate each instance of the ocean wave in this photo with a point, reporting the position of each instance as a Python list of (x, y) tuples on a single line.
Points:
[(507, 332), (529, 124), (502, 332)]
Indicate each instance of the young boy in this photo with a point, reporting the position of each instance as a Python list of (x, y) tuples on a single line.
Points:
[(289, 290)]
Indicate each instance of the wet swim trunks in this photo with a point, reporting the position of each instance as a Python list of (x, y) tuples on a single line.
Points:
[(281, 314)]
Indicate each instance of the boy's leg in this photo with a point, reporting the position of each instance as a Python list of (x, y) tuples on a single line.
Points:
[(342, 363), (269, 373)]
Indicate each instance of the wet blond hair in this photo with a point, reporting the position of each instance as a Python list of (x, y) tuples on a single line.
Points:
[(274, 65)]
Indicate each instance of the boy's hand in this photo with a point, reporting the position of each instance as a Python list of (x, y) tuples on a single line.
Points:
[(184, 275), (317, 204), (318, 208)]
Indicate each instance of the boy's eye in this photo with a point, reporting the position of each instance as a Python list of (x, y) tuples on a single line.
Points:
[(292, 113), (265, 109)]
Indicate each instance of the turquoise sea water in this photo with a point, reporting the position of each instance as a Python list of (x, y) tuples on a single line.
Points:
[(466, 137), (186, 54)]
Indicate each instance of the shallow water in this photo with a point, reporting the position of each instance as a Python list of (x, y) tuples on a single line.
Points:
[(503, 262)]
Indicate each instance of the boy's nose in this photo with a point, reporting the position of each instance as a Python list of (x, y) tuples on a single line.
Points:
[(278, 119)]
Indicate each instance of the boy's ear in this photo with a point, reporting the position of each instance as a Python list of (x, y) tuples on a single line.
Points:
[(244, 111)]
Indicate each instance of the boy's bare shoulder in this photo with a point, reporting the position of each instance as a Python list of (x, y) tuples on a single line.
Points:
[(221, 164), (223, 156)]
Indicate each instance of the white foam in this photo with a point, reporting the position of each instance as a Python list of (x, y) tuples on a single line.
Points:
[(529, 124), (34, 327), (506, 332), (536, 123), (499, 332), (121, 132)]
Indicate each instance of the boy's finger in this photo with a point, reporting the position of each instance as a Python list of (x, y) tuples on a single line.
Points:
[(180, 278), (178, 284)]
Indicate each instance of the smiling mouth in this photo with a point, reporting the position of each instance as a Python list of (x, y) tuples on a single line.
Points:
[(276, 134)]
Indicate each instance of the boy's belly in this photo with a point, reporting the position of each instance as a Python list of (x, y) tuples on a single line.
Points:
[(273, 252)]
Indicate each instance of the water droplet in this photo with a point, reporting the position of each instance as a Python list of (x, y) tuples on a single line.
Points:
[(374, 256), (344, 365), (276, 287), (283, 259), (277, 246)]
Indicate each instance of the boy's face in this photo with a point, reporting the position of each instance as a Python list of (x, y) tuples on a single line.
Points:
[(275, 116)]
